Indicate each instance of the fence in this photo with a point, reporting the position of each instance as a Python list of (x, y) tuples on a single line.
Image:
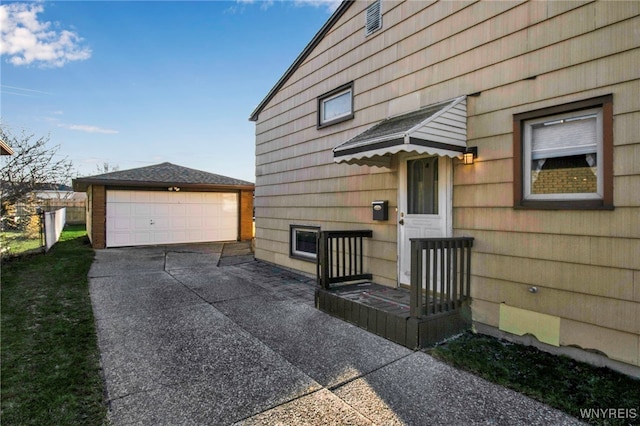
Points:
[(34, 232), (76, 209), (440, 274), (53, 224), (340, 257)]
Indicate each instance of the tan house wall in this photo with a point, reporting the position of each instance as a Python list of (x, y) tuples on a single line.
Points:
[(514, 58)]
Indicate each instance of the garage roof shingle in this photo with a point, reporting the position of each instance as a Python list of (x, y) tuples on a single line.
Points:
[(160, 175)]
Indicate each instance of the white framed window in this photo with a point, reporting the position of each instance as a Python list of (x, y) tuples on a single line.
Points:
[(336, 106), (373, 20), (561, 155), (303, 242)]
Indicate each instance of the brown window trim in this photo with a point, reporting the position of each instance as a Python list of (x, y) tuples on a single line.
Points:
[(321, 98), (606, 203)]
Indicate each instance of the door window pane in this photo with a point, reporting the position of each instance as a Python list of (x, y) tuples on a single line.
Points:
[(422, 181)]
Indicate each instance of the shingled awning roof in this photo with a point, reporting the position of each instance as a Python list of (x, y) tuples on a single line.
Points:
[(159, 175), (438, 129)]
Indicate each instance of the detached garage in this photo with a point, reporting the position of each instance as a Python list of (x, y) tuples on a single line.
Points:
[(166, 204)]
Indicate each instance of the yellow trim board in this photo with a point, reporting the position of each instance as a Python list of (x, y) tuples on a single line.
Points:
[(546, 328)]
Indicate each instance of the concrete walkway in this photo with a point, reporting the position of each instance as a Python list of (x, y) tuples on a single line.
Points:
[(198, 335)]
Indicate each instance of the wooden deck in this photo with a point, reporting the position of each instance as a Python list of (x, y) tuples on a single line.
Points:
[(413, 317), (385, 312)]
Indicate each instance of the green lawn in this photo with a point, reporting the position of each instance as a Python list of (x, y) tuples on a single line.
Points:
[(50, 359), (558, 381), (13, 243)]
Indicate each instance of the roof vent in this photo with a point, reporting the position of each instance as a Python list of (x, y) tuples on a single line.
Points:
[(374, 17)]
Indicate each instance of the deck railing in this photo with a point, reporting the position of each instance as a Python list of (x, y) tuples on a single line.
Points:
[(340, 257), (440, 274)]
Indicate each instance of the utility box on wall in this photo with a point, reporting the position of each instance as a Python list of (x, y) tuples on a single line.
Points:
[(380, 210)]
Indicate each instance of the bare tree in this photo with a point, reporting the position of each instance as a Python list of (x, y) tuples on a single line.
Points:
[(33, 166), (106, 168)]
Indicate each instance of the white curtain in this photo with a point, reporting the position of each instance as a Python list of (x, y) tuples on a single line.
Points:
[(561, 138)]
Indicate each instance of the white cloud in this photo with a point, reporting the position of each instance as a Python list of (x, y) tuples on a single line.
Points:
[(240, 5), (264, 4), (88, 129), (330, 5), (25, 40)]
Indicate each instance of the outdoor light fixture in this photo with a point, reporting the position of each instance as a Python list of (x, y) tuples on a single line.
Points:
[(173, 188), (470, 153)]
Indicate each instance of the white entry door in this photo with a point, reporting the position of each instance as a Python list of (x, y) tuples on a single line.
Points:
[(161, 217), (424, 205)]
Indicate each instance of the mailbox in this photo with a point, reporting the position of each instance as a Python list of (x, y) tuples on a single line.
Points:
[(380, 210)]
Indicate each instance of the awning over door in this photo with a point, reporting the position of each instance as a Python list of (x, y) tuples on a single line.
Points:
[(439, 129)]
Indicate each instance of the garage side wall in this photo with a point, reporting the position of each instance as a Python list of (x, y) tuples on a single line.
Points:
[(96, 215), (88, 208), (246, 215)]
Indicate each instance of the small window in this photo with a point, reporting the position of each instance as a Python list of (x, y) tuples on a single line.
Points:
[(336, 106), (373, 18), (565, 156), (303, 242)]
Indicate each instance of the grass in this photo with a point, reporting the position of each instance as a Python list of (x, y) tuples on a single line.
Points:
[(50, 359), (14, 243), (558, 381)]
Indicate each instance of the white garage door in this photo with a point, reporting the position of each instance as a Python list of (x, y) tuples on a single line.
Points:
[(146, 217)]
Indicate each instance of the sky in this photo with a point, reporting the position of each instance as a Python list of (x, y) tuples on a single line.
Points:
[(135, 83)]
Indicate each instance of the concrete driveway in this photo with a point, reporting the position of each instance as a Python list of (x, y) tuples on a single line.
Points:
[(205, 335)]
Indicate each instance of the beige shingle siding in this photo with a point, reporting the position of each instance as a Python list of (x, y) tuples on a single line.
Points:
[(584, 262)]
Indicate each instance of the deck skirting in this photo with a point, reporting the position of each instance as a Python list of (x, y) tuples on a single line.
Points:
[(392, 320)]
